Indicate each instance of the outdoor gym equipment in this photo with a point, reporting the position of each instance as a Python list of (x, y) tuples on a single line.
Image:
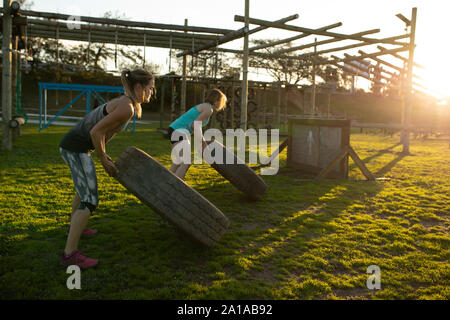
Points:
[(88, 90), (171, 197), (238, 173)]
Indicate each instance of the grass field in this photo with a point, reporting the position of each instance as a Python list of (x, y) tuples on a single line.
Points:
[(303, 240)]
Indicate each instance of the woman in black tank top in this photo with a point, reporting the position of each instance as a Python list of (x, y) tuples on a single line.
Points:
[(92, 133)]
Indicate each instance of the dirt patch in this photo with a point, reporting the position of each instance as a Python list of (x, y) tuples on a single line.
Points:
[(267, 274), (352, 294)]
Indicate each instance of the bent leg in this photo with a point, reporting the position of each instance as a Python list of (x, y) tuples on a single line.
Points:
[(180, 167), (77, 226), (75, 204), (84, 177)]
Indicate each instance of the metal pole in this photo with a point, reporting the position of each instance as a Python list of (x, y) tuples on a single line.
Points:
[(183, 81), (245, 71), (406, 120), (6, 76)]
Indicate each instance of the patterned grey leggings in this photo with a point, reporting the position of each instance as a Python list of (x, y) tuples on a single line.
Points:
[(84, 177)]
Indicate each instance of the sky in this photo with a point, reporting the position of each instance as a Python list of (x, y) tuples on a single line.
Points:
[(433, 23)]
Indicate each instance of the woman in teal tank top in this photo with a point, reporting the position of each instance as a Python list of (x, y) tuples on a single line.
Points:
[(184, 125)]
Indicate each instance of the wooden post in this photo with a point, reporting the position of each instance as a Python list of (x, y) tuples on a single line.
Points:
[(213, 118), (232, 106), (161, 110), (406, 114), (313, 88), (329, 104), (264, 103), (173, 100), (304, 101), (352, 89), (244, 94), (183, 83), (285, 103), (14, 65), (6, 76), (258, 105), (278, 111)]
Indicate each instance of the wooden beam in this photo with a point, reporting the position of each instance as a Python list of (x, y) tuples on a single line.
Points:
[(6, 76), (226, 38), (325, 171), (152, 33), (404, 19), (233, 36), (406, 112), (370, 55), (355, 65), (309, 45), (390, 65), (244, 92), (136, 37), (110, 40), (280, 149), (343, 67), (346, 151), (313, 31), (352, 46), (400, 57), (283, 20), (183, 81), (125, 23), (282, 41), (366, 172)]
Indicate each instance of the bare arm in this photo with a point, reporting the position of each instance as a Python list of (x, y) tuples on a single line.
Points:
[(122, 114), (205, 112)]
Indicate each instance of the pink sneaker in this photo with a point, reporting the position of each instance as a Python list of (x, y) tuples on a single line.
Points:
[(78, 259)]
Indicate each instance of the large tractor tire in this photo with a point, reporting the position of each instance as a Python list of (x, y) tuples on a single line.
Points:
[(239, 174), (170, 197)]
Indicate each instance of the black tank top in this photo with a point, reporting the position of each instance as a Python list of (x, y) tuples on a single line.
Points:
[(78, 139)]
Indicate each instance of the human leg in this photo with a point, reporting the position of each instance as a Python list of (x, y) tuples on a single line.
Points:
[(85, 180)]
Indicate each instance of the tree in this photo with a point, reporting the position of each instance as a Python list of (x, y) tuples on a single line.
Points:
[(203, 64), (85, 56), (286, 70)]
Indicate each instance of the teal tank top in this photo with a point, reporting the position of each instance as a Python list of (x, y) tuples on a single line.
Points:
[(187, 119)]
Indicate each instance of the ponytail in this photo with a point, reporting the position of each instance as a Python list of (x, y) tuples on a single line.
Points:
[(129, 80)]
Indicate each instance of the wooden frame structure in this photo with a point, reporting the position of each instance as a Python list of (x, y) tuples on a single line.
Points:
[(194, 39)]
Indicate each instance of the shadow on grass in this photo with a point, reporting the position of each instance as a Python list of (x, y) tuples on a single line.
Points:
[(143, 257), (388, 167), (380, 153)]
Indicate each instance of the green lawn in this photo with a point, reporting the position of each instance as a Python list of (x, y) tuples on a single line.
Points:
[(303, 240)]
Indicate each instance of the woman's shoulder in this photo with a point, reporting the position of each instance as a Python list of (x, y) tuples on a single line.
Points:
[(204, 107), (123, 103), (125, 100)]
